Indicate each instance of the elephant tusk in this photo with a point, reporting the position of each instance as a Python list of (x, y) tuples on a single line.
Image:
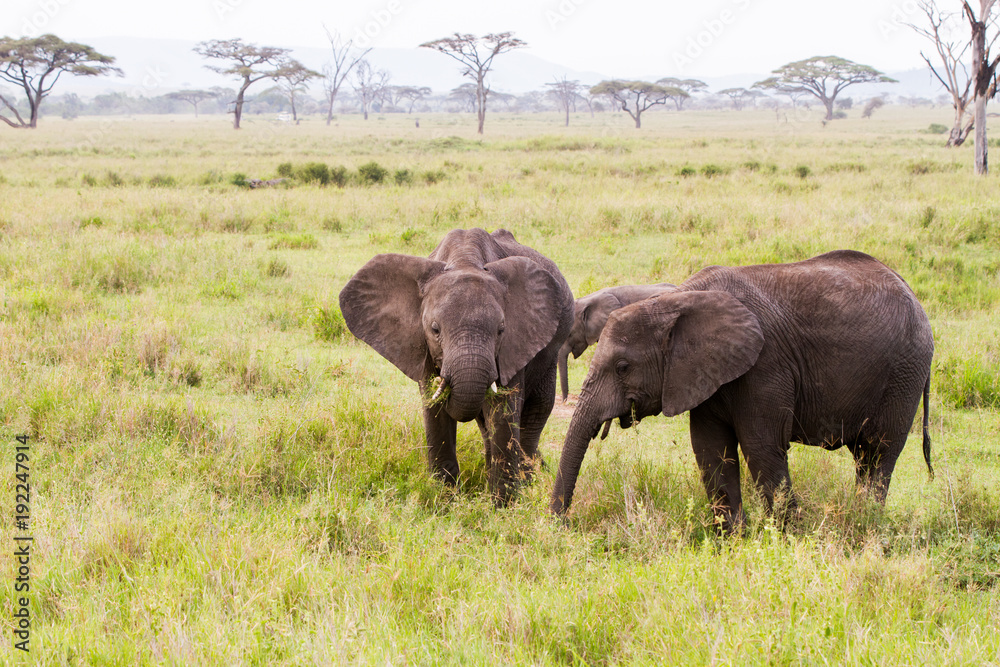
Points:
[(437, 394), (607, 427)]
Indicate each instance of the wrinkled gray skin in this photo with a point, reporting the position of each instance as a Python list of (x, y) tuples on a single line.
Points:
[(591, 312), (831, 351), (483, 309)]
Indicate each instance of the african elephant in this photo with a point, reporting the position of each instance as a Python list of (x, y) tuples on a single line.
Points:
[(591, 312), (482, 312), (831, 351)]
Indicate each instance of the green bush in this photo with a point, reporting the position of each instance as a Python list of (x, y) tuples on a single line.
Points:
[(712, 170), (372, 173), (314, 172), (294, 242), (286, 170), (802, 171), (239, 180), (339, 176), (403, 177), (162, 181), (328, 323), (432, 177), (686, 171), (937, 128)]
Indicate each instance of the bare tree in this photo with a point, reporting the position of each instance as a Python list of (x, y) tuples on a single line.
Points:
[(193, 97), (951, 72), (983, 72), (369, 85), (823, 77), (35, 64), (345, 58), (689, 86), (476, 54), (291, 81), (565, 93), (248, 62), (641, 95)]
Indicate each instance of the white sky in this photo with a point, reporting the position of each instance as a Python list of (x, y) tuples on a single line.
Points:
[(624, 38)]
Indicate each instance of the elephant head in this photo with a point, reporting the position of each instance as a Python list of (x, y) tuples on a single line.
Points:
[(665, 354), (471, 324)]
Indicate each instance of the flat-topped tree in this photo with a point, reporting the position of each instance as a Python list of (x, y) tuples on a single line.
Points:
[(635, 97), (193, 97), (476, 54), (823, 77), (291, 80), (35, 64), (689, 86), (248, 62)]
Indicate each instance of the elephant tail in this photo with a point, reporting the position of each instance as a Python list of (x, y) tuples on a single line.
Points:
[(927, 423)]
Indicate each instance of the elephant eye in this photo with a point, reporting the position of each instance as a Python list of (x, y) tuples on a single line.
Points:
[(502, 326), (435, 328), (621, 367)]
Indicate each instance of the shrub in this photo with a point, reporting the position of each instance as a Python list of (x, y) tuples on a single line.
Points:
[(432, 177), (333, 224), (712, 170), (239, 180), (276, 269), (338, 176), (686, 171), (285, 170), (802, 171), (92, 221), (403, 177), (328, 323), (372, 172), (314, 172), (937, 128), (162, 181), (294, 242)]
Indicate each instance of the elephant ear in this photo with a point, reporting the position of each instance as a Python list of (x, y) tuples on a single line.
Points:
[(533, 306), (714, 339), (596, 314), (381, 306)]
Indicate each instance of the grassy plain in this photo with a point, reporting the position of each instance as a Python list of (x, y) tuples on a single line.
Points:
[(221, 476)]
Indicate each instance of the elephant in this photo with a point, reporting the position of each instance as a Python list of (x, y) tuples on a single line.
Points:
[(590, 313), (479, 325), (831, 351)]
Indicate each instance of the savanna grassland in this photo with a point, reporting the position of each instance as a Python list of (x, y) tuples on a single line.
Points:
[(222, 475)]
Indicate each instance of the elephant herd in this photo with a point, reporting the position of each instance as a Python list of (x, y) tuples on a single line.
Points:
[(832, 351)]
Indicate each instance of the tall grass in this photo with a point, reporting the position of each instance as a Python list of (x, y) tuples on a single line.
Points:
[(222, 475)]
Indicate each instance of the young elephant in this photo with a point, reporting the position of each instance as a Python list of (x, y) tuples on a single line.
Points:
[(831, 351), (591, 312), (482, 312)]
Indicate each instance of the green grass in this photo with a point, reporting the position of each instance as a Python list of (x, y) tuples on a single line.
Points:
[(222, 475)]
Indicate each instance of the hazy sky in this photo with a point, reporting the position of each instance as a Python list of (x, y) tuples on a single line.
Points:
[(622, 38)]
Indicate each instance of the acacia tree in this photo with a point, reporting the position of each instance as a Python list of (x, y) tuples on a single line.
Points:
[(369, 84), (983, 71), (738, 96), (476, 54), (193, 97), (641, 95), (35, 64), (291, 80), (412, 93), (345, 58), (248, 62), (823, 77), (689, 86), (565, 93)]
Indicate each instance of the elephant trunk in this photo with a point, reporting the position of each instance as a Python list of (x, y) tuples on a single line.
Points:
[(469, 379), (563, 376), (582, 429)]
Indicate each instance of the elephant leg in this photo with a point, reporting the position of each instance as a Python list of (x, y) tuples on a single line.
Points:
[(441, 456), (716, 452), (767, 463), (537, 407), (504, 454), (874, 461)]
